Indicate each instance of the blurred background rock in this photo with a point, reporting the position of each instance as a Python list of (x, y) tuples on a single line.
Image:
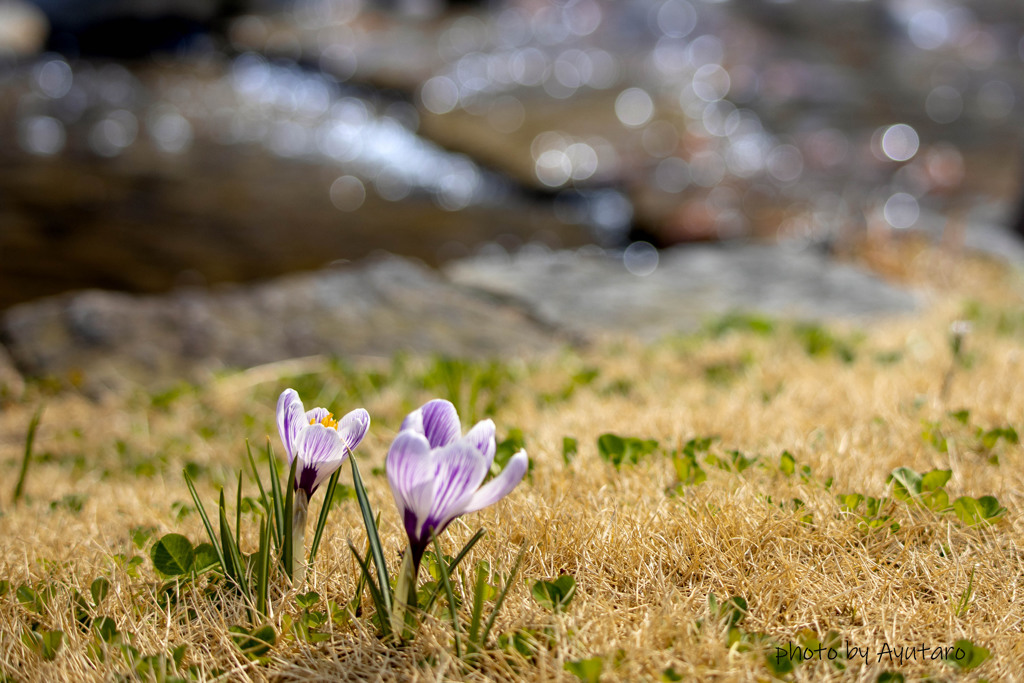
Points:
[(148, 145)]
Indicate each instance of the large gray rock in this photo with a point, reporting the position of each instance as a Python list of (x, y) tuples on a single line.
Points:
[(589, 294), (488, 306), (103, 340), (995, 240)]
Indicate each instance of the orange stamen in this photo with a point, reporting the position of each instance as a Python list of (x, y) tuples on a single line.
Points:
[(327, 421)]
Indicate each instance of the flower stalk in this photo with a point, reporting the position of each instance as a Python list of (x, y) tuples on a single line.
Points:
[(299, 513), (405, 591)]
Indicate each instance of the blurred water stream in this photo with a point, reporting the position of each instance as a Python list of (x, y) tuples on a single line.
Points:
[(287, 140)]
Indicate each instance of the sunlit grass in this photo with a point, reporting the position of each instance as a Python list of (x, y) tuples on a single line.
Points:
[(764, 433)]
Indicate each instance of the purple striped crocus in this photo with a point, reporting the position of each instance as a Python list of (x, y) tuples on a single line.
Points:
[(436, 474), (320, 443)]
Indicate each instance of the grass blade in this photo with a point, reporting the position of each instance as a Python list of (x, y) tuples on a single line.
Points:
[(238, 513), (30, 438), (383, 615), (443, 570), (275, 489), (225, 540), (965, 597), (354, 605), (501, 596), (259, 482), (466, 548), (206, 521), (289, 538), (322, 519), (263, 566), (232, 552), (455, 563), (268, 505), (478, 604), (371, 534)]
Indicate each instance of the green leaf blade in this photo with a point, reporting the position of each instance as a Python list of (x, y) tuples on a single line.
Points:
[(376, 550), (321, 521)]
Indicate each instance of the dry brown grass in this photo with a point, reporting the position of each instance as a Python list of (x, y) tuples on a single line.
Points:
[(644, 561)]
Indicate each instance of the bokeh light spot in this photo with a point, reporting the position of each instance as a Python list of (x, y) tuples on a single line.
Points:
[(640, 258), (901, 210), (440, 95), (41, 135), (900, 142), (634, 107), (53, 78), (347, 193)]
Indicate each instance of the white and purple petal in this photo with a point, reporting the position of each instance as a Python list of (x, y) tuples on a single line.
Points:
[(410, 471), (290, 420), (307, 477), (501, 485), (459, 470), (316, 415), (413, 422), (352, 428), (318, 448), (481, 437), (437, 420), (407, 466)]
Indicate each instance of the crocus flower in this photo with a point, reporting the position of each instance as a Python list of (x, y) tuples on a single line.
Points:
[(436, 473), (320, 443)]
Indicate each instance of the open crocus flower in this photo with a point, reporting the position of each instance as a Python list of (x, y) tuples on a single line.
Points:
[(317, 439), (320, 443), (436, 473)]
